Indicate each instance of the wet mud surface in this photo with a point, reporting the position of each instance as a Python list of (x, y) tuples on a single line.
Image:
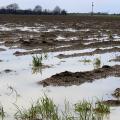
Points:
[(97, 51), (112, 102), (49, 33), (67, 78)]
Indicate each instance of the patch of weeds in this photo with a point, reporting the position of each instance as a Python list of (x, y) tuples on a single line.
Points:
[(85, 60), (110, 35), (85, 110), (2, 113), (67, 114), (102, 108), (26, 114), (37, 61), (45, 109), (97, 63)]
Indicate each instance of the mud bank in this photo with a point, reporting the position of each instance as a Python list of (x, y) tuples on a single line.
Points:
[(97, 51), (76, 46), (112, 102), (68, 78), (117, 59)]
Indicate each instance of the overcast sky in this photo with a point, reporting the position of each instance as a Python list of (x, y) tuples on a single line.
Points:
[(110, 6)]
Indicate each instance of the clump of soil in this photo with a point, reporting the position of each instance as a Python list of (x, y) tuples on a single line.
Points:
[(116, 93), (8, 70), (112, 102), (97, 51), (117, 59), (68, 78), (1, 49)]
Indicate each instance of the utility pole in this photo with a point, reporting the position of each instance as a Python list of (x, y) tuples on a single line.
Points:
[(92, 9)]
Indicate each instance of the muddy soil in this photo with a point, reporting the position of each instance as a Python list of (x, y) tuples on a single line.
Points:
[(112, 102), (68, 78), (70, 32), (74, 33), (86, 21), (116, 93), (97, 51), (117, 59), (78, 46), (80, 28)]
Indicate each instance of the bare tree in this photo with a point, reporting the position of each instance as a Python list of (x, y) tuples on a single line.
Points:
[(38, 8), (14, 9), (57, 10), (13, 6), (63, 12)]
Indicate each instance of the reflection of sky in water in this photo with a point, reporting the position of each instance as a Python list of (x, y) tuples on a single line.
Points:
[(24, 82), (37, 28)]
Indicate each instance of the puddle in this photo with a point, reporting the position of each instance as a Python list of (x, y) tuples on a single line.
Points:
[(67, 30), (63, 46), (105, 37), (36, 28), (71, 30), (21, 28), (115, 36), (75, 51), (75, 30), (60, 38)]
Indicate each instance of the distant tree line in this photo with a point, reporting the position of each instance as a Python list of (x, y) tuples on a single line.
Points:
[(15, 9), (95, 14)]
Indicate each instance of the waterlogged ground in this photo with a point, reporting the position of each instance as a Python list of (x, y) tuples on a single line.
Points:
[(66, 50)]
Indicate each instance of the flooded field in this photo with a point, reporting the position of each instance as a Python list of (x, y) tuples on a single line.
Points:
[(80, 60)]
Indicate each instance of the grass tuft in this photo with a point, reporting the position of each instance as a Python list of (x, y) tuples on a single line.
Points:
[(2, 113), (97, 62), (102, 108), (85, 110), (110, 35), (37, 61), (85, 60), (43, 109)]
